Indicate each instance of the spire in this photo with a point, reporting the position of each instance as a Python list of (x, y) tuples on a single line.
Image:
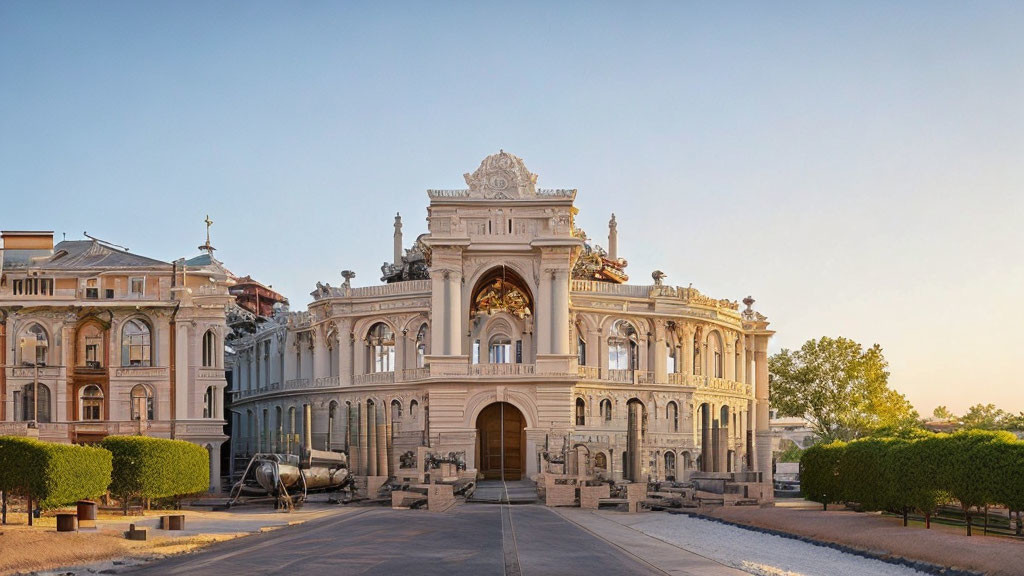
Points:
[(398, 239), (208, 247), (613, 239)]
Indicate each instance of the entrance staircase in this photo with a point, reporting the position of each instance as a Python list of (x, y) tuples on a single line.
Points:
[(499, 492)]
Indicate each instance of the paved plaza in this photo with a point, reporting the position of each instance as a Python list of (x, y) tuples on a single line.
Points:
[(479, 539)]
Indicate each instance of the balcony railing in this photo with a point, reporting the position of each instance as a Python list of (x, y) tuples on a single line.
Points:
[(501, 370), (143, 372), (678, 379), (414, 374), (374, 378), (628, 290)]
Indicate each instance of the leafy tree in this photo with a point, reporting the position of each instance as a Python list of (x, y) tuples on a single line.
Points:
[(791, 453), (839, 387), (984, 417), (1014, 422), (943, 413)]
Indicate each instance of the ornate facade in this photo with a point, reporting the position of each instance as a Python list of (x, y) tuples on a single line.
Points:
[(95, 340), (505, 338)]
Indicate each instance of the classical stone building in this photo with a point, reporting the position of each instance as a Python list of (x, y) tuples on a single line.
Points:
[(95, 340), (505, 337)]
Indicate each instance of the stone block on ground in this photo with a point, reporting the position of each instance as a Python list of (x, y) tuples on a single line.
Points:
[(440, 497), (590, 496)]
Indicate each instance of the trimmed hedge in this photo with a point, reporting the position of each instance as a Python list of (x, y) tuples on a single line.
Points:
[(819, 473), (974, 468), (156, 467), (55, 475)]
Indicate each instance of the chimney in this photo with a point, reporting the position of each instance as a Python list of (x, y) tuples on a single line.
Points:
[(613, 239), (27, 240), (398, 239)]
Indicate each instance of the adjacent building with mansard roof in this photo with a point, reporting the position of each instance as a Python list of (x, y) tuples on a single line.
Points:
[(96, 340), (505, 336)]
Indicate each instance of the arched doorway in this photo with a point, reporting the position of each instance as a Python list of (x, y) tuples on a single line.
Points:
[(500, 430)]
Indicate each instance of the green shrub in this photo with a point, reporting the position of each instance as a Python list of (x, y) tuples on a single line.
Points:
[(53, 474), (867, 475), (975, 468), (917, 465), (819, 473), (156, 467)]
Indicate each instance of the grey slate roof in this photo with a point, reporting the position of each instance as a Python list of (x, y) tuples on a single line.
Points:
[(77, 255)]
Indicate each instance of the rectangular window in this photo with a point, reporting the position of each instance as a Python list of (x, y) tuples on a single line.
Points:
[(476, 352), (138, 286), (92, 290), (18, 287), (109, 294), (500, 353), (46, 286), (519, 351)]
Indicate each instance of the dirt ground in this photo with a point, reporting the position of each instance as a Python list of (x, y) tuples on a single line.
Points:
[(27, 549), (943, 545), (31, 549)]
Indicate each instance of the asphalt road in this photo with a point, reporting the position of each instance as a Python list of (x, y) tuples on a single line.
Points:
[(470, 540)]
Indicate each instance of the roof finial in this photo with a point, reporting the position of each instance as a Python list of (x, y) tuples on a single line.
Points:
[(208, 247)]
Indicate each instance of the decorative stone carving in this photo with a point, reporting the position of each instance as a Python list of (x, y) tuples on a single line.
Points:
[(502, 176)]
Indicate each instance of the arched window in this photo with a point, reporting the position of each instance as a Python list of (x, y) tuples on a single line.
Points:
[(687, 464), (670, 465), (135, 344), (35, 346), (92, 403), (714, 345), (421, 346), (381, 342), (209, 402), (264, 433), (209, 349), (581, 351), (606, 410), (581, 412), (91, 351), (28, 403), (279, 440), (142, 403), (500, 350), (332, 414), (670, 362), (672, 415), (293, 437), (412, 408), (622, 346)]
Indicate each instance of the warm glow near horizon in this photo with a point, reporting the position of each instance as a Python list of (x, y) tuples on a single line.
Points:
[(855, 167)]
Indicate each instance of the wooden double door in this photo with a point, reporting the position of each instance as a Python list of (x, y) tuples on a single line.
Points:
[(501, 431)]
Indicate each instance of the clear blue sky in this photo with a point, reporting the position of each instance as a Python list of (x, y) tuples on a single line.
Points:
[(855, 166)]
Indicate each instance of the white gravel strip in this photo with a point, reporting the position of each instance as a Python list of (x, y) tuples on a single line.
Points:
[(760, 553)]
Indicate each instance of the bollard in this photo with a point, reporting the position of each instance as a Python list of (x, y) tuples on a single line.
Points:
[(67, 522), (86, 514)]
